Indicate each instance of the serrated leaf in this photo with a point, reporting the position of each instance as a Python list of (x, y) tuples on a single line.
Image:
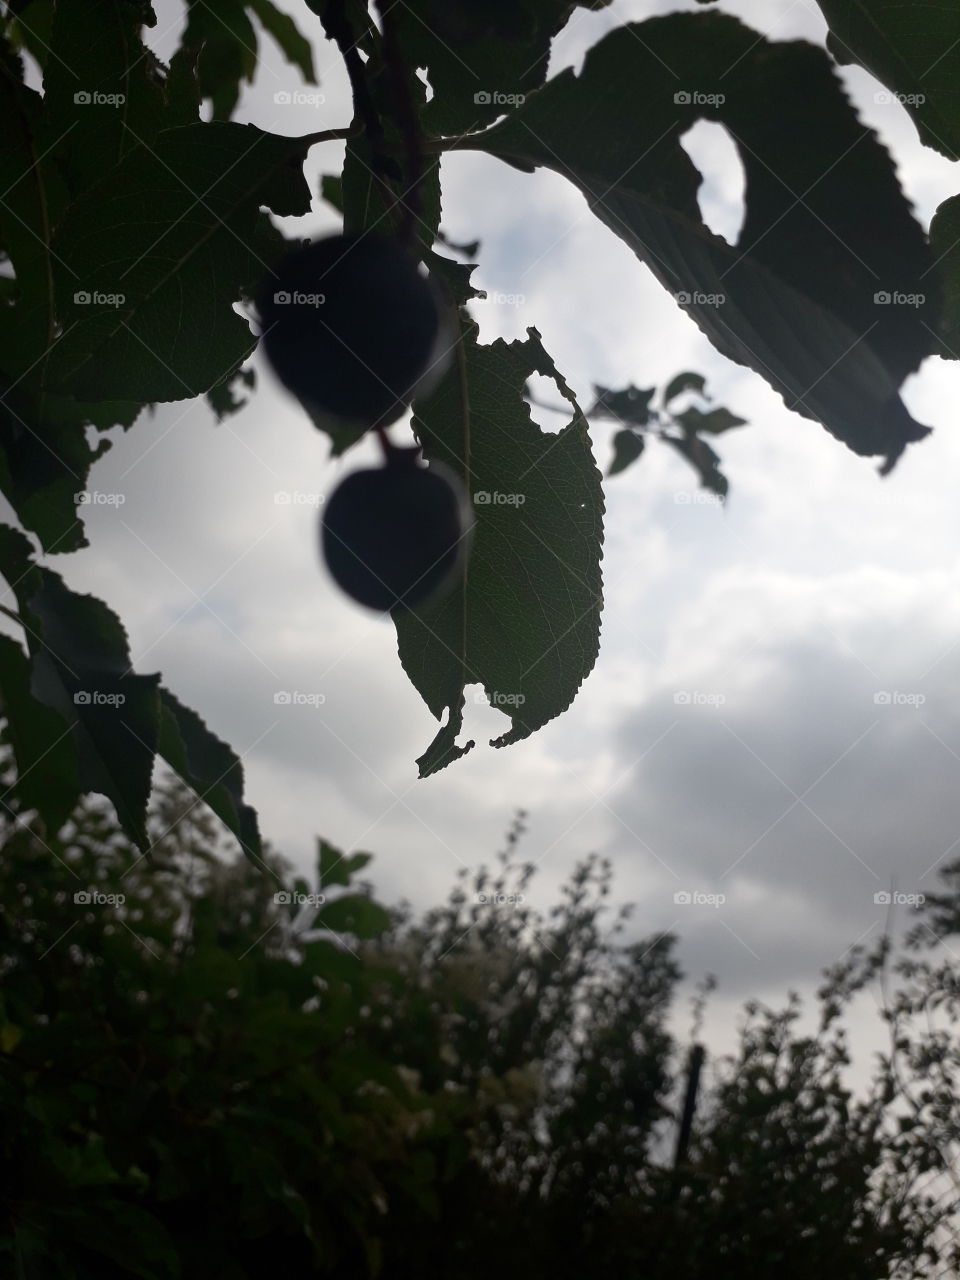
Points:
[(945, 243), (176, 234), (684, 382), (915, 53), (627, 448), (630, 406), (714, 422), (103, 92), (210, 768), (525, 621), (224, 398), (477, 54), (80, 667), (796, 298), (44, 463), (43, 745)]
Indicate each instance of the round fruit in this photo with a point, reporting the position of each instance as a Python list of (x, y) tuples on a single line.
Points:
[(352, 328), (394, 535)]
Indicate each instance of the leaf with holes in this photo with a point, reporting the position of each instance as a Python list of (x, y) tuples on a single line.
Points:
[(525, 621), (827, 234)]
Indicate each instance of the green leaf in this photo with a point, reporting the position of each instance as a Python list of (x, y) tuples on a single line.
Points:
[(331, 190), (44, 462), (227, 41), (627, 448), (525, 621), (630, 406), (684, 382), (703, 460), (224, 400), (334, 867), (797, 297), (294, 46), (717, 420), (475, 54), (354, 913), (103, 89), (210, 768), (34, 195), (914, 52), (80, 667), (170, 238), (43, 746), (945, 243)]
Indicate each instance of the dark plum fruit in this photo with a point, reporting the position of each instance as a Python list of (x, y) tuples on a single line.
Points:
[(352, 328), (395, 535)]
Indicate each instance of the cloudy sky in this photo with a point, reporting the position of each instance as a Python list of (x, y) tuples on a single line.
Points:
[(729, 740)]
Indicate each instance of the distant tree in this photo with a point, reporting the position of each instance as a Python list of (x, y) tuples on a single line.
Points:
[(206, 1067)]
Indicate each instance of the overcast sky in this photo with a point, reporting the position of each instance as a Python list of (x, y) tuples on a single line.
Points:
[(781, 783)]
